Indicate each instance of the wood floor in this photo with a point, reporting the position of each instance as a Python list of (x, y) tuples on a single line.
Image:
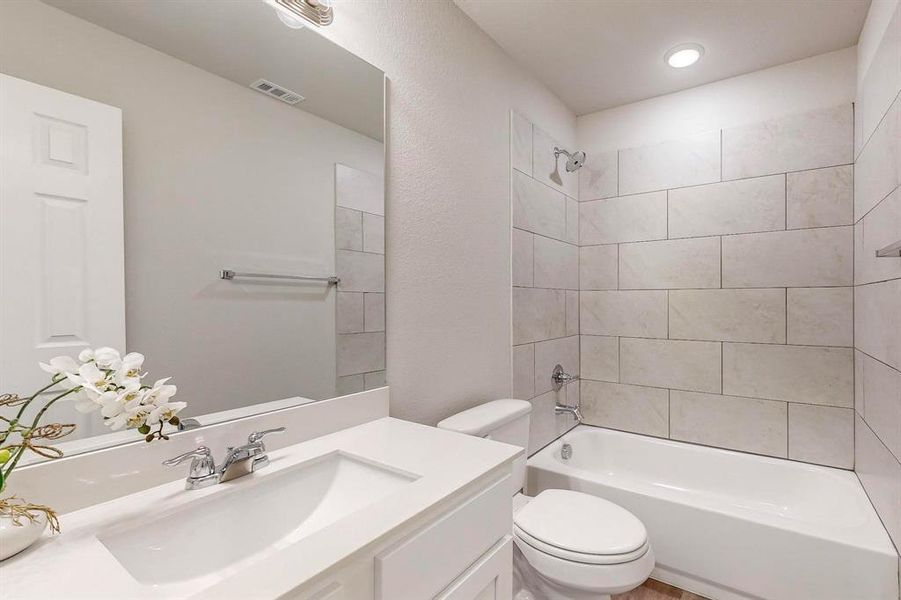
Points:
[(656, 590)]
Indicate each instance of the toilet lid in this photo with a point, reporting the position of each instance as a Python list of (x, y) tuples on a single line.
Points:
[(577, 523)]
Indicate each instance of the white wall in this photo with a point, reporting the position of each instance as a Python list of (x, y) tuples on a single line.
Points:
[(450, 92), (877, 211), (816, 82), (216, 175)]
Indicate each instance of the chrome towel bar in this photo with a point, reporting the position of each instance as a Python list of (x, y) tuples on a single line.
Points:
[(230, 274), (892, 250)]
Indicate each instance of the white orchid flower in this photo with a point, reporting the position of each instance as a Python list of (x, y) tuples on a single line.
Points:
[(129, 371), (90, 378), (60, 365), (86, 355), (123, 408), (157, 398), (107, 358)]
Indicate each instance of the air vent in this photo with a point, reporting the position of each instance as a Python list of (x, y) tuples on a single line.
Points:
[(276, 91)]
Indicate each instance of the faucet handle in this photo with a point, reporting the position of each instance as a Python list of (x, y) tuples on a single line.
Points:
[(201, 461), (257, 436)]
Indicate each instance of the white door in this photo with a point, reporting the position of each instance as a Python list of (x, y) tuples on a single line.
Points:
[(62, 282)]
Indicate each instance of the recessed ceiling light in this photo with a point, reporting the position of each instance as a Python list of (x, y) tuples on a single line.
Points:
[(684, 55)]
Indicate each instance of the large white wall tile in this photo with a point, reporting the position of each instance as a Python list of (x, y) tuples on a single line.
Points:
[(821, 434), (537, 207), (632, 313), (556, 264), (598, 178), (520, 143), (349, 384), (880, 475), (692, 160), (550, 353), (820, 198), (626, 407), (374, 380), (349, 316), (549, 170), (359, 190), (523, 257), (809, 140), (599, 357), (572, 312), (693, 366), (360, 271), (858, 381), (821, 316), (743, 206), (545, 426), (882, 401), (524, 371), (623, 219), (373, 233), (756, 315), (882, 81), (598, 267), (881, 227), (360, 353), (670, 264), (538, 314), (801, 258), (877, 320), (878, 168), (746, 424), (348, 229), (806, 374), (572, 221), (374, 311)]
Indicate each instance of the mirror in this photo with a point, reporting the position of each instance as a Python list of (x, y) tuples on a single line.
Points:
[(189, 180)]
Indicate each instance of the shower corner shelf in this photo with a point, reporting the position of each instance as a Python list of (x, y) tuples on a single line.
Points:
[(892, 250)]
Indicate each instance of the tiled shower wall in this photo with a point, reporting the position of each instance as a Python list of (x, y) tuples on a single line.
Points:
[(877, 281), (360, 260), (545, 277), (716, 292)]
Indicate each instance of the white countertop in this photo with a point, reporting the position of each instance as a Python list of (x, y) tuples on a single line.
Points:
[(75, 564)]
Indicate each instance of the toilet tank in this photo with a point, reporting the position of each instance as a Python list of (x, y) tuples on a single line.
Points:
[(504, 421)]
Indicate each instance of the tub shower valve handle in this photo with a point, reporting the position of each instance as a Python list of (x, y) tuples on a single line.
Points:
[(560, 378)]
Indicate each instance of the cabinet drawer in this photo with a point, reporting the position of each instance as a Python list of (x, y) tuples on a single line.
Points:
[(491, 578), (422, 565)]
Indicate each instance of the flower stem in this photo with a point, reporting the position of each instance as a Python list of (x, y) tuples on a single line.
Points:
[(22, 408), (34, 424)]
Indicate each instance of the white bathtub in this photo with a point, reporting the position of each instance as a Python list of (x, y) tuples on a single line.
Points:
[(729, 525)]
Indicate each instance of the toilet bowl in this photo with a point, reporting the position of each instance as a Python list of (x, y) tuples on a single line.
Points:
[(568, 545), (574, 546)]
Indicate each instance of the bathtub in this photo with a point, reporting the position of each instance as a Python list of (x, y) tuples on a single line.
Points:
[(729, 525)]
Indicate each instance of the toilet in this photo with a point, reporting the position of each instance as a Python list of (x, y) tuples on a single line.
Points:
[(569, 545)]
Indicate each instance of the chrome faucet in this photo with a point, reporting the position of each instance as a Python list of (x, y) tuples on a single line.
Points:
[(560, 378), (238, 461), (575, 411)]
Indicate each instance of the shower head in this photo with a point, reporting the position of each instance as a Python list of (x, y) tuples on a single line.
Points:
[(574, 161)]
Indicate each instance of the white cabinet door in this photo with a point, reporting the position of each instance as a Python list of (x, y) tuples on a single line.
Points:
[(491, 578), (62, 284)]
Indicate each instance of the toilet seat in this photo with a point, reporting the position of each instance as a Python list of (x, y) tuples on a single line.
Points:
[(581, 528)]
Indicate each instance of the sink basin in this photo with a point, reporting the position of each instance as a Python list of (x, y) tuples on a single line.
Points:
[(238, 525)]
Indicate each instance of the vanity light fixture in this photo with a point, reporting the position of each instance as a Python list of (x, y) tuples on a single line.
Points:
[(684, 55), (296, 13)]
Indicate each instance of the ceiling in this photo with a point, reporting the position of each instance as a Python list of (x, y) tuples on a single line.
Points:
[(245, 41), (595, 54)]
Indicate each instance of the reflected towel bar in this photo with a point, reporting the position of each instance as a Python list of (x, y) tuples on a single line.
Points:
[(229, 274), (892, 250)]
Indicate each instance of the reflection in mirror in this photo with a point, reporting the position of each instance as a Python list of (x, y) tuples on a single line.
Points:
[(149, 146)]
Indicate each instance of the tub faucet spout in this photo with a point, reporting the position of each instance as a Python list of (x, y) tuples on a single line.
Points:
[(575, 411)]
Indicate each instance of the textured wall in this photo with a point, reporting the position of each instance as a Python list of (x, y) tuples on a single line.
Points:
[(716, 299), (545, 277), (450, 92), (877, 291)]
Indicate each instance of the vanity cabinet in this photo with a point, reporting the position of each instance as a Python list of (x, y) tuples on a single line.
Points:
[(463, 552)]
